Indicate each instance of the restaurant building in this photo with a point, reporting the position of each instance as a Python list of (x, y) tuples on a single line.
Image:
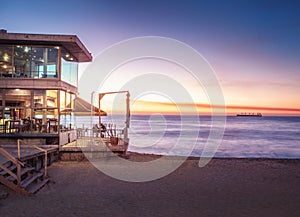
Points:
[(38, 86)]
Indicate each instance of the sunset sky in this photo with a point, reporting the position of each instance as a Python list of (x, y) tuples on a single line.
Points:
[(253, 46)]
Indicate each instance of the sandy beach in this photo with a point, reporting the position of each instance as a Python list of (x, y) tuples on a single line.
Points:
[(224, 187)]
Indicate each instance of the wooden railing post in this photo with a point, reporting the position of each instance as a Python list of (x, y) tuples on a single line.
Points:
[(17, 163), (45, 159), (19, 176), (19, 149), (46, 162)]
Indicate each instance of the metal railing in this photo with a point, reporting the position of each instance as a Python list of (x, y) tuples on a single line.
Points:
[(99, 133)]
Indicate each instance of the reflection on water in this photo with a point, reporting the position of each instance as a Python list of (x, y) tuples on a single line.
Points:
[(268, 137)]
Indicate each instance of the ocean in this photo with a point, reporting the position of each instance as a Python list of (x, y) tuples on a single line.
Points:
[(244, 137)]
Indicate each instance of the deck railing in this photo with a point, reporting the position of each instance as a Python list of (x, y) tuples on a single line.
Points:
[(15, 161), (35, 147), (95, 138)]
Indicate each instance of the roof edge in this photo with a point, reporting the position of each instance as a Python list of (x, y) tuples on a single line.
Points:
[(59, 39)]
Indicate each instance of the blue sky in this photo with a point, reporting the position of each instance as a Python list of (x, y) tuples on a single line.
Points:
[(272, 24), (253, 44)]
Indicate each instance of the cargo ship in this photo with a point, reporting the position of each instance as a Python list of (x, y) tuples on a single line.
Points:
[(249, 115)]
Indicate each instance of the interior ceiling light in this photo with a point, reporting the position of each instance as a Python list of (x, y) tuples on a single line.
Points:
[(5, 57)]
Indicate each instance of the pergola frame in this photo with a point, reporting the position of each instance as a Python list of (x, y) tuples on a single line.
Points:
[(127, 121)]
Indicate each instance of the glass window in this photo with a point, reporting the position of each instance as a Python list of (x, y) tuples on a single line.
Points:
[(51, 98), (62, 100), (39, 98), (69, 68), (44, 62), (39, 106), (6, 66), (22, 61), (68, 100), (28, 62), (66, 108), (17, 103), (35, 62), (45, 104)]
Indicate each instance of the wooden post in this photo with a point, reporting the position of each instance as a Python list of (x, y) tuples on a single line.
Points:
[(45, 158), (45, 166), (100, 96), (99, 110), (127, 117), (92, 101), (19, 176), (44, 112), (19, 149)]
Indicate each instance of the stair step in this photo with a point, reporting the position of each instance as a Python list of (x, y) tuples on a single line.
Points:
[(3, 195), (23, 171), (7, 164), (34, 188), (30, 179), (11, 168)]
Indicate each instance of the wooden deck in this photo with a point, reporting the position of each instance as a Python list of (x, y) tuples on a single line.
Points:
[(28, 135), (100, 147), (27, 153)]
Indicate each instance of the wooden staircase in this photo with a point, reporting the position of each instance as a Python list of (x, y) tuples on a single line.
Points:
[(31, 181), (21, 176)]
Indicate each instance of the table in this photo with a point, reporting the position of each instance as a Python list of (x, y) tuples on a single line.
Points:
[(52, 124), (12, 126)]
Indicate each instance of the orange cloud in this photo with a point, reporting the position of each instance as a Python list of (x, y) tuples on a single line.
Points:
[(140, 106)]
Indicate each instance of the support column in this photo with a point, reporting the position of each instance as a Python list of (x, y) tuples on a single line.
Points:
[(45, 57), (44, 121), (32, 104)]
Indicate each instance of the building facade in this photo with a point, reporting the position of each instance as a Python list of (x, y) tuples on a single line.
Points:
[(38, 84)]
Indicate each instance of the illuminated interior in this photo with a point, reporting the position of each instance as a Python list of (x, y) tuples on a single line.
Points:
[(38, 105), (48, 109)]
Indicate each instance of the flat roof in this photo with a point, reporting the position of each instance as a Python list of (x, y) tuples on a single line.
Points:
[(70, 43)]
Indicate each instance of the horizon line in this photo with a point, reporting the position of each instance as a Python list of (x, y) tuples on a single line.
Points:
[(202, 105)]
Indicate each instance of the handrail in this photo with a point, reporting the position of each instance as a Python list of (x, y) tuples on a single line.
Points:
[(8, 171), (16, 162), (10, 157), (38, 148)]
